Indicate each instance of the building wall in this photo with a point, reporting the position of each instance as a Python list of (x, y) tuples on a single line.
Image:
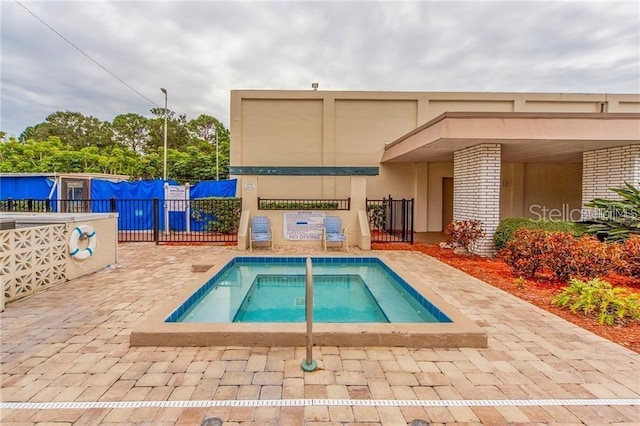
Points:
[(343, 128), (552, 188), (476, 183), (609, 168), (437, 172)]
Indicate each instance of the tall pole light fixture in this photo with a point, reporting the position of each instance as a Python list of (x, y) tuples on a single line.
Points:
[(215, 130), (164, 163)]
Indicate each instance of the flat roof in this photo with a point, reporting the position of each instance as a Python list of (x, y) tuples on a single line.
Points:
[(524, 136)]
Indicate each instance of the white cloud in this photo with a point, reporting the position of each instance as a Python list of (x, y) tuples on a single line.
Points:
[(200, 51)]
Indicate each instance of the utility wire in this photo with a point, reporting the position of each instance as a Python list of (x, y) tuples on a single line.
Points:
[(85, 54)]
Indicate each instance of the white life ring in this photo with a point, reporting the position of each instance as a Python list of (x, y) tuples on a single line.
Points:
[(78, 232)]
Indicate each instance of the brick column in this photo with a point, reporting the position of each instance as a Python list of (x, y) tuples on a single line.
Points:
[(476, 190), (608, 168)]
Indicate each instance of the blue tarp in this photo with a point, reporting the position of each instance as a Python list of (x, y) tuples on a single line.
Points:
[(138, 190), (25, 187), (213, 188), (135, 215), (133, 199)]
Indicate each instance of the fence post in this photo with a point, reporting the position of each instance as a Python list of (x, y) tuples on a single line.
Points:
[(412, 202), (404, 220), (10, 204), (113, 205), (47, 205), (156, 205), (391, 226), (30, 204)]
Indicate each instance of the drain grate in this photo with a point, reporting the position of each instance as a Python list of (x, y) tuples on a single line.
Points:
[(317, 402)]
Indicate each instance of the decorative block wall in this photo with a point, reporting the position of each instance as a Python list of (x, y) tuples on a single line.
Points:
[(607, 168), (32, 259), (476, 190)]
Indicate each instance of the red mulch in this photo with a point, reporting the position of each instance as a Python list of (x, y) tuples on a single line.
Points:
[(198, 243), (538, 292)]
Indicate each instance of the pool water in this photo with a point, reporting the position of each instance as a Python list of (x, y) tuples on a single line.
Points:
[(272, 289), (337, 298)]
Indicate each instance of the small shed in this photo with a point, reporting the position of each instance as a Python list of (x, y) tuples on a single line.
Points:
[(71, 188)]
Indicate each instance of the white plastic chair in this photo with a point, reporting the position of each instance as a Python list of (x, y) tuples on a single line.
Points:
[(333, 232), (260, 231)]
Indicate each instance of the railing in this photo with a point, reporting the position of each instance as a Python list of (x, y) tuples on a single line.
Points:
[(152, 220), (309, 364), (390, 221), (303, 204), (25, 205)]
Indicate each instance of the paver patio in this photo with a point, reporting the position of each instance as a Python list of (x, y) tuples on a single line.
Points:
[(70, 344)]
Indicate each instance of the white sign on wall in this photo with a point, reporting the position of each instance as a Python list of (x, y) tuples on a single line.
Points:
[(175, 197), (303, 226)]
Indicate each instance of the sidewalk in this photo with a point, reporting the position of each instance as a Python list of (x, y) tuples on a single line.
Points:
[(70, 344)]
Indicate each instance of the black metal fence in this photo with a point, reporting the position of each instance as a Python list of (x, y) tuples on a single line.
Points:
[(153, 220), (391, 221)]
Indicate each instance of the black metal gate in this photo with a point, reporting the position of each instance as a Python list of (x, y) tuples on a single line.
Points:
[(153, 220), (390, 221)]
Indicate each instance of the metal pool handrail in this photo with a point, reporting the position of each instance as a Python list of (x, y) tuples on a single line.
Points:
[(309, 364)]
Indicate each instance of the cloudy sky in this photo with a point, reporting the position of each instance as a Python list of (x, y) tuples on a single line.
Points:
[(199, 51)]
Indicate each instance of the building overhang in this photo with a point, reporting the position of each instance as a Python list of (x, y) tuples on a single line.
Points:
[(525, 137)]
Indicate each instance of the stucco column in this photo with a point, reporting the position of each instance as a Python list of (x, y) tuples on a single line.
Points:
[(476, 190), (358, 222), (249, 192), (608, 168)]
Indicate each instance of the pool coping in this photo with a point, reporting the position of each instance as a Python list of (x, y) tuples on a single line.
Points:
[(461, 332)]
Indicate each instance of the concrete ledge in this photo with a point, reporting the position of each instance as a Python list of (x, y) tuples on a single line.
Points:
[(443, 335), (201, 267), (461, 332)]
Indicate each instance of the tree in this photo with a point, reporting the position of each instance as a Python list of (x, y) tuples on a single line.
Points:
[(177, 133), (132, 131), (130, 145), (73, 129), (205, 128)]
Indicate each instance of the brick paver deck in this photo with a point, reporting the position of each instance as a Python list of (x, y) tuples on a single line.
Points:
[(71, 344)]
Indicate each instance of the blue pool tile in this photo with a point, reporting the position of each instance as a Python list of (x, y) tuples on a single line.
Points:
[(247, 260)]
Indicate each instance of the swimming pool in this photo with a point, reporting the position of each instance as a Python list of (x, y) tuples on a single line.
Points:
[(459, 331), (346, 290)]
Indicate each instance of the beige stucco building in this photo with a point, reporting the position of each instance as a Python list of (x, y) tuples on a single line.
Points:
[(480, 156)]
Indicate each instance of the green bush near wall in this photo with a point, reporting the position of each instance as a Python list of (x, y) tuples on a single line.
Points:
[(221, 215), (509, 226), (298, 205)]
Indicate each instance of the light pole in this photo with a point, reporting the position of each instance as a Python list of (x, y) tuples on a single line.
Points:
[(164, 163), (215, 131)]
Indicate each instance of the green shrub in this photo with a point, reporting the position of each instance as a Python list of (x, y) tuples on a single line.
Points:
[(507, 227), (464, 233), (566, 256), (298, 205), (377, 214), (220, 214), (599, 299), (585, 257), (557, 254), (630, 254), (524, 252), (619, 218)]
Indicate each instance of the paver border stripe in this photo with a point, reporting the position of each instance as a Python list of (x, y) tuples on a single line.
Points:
[(84, 405)]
